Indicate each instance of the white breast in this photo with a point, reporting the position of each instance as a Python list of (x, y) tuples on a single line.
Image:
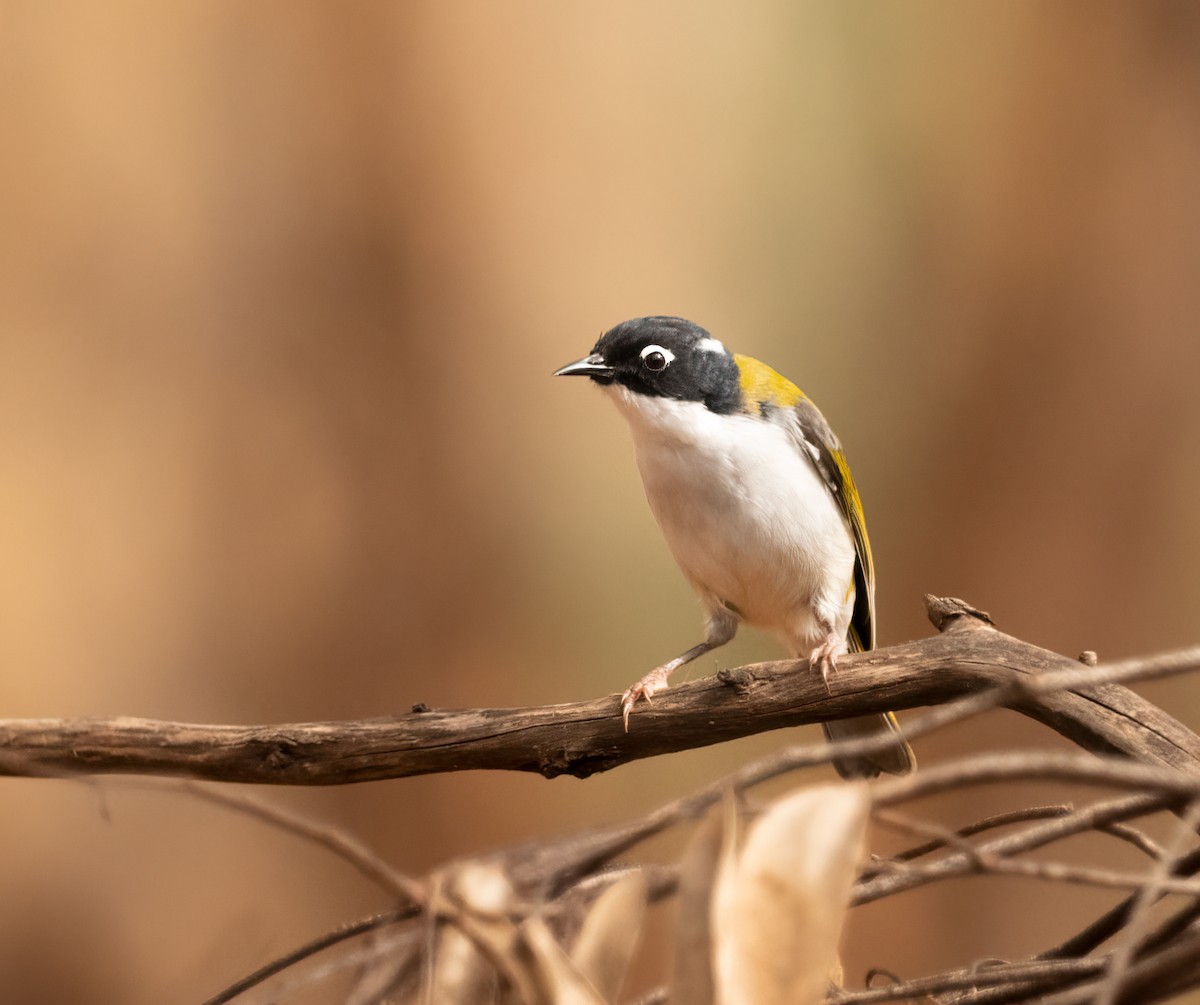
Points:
[(746, 515)]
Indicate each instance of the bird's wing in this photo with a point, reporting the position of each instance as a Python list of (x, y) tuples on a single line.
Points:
[(777, 398), (821, 446)]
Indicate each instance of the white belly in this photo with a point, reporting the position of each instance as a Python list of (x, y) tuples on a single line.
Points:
[(745, 513)]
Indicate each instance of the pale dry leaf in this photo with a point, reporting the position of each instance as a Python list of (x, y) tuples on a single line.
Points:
[(554, 978), (479, 898), (692, 977), (609, 937), (778, 911), (462, 975)]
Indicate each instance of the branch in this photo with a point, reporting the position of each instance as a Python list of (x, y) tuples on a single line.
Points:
[(1083, 703)]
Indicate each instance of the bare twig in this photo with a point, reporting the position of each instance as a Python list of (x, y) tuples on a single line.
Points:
[(334, 839), (988, 823), (1062, 872), (943, 836), (1131, 835), (1154, 886), (987, 769), (876, 886), (1113, 920), (340, 934), (1151, 978), (385, 947), (1000, 974)]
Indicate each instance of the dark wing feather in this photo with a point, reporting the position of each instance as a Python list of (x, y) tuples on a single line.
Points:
[(823, 448)]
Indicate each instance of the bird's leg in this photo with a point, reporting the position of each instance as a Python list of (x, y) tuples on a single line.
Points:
[(722, 626), (824, 657), (656, 680)]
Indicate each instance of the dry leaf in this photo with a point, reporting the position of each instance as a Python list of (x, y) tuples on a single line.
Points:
[(478, 897), (778, 909), (610, 933), (555, 979), (461, 975), (692, 979)]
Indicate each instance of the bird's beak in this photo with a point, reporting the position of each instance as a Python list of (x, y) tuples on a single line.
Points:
[(589, 366)]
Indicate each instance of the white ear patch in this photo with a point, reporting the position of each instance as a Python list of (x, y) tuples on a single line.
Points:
[(710, 344)]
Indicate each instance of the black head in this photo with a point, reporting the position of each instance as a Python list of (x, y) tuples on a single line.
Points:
[(664, 357)]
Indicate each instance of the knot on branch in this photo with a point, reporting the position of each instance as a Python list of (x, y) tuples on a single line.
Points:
[(580, 764), (739, 678), (279, 754)]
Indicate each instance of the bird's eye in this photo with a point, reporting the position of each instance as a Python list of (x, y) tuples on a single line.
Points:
[(655, 358)]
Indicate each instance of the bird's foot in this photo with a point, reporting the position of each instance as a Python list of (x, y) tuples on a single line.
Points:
[(824, 657), (647, 687)]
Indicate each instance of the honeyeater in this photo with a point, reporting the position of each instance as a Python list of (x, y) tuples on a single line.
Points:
[(754, 496)]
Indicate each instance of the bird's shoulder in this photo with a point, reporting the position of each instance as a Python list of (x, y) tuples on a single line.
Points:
[(769, 395), (763, 388)]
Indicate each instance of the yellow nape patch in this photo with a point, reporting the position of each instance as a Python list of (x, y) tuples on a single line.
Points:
[(762, 385)]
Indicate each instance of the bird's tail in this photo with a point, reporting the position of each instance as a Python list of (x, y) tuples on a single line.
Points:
[(896, 759)]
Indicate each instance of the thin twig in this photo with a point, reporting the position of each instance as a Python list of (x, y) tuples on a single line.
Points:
[(971, 977), (340, 934), (1064, 872), (1113, 920), (987, 823), (344, 961), (1155, 884), (1175, 966), (923, 828), (882, 884), (1131, 835), (331, 838)]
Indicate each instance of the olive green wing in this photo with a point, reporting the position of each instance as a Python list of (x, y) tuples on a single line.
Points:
[(823, 449)]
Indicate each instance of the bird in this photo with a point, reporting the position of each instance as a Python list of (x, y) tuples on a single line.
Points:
[(753, 493)]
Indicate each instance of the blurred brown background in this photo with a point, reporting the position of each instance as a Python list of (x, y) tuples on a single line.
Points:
[(281, 287)]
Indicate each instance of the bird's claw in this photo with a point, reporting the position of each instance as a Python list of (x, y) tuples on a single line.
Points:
[(646, 688), (824, 658), (628, 700)]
